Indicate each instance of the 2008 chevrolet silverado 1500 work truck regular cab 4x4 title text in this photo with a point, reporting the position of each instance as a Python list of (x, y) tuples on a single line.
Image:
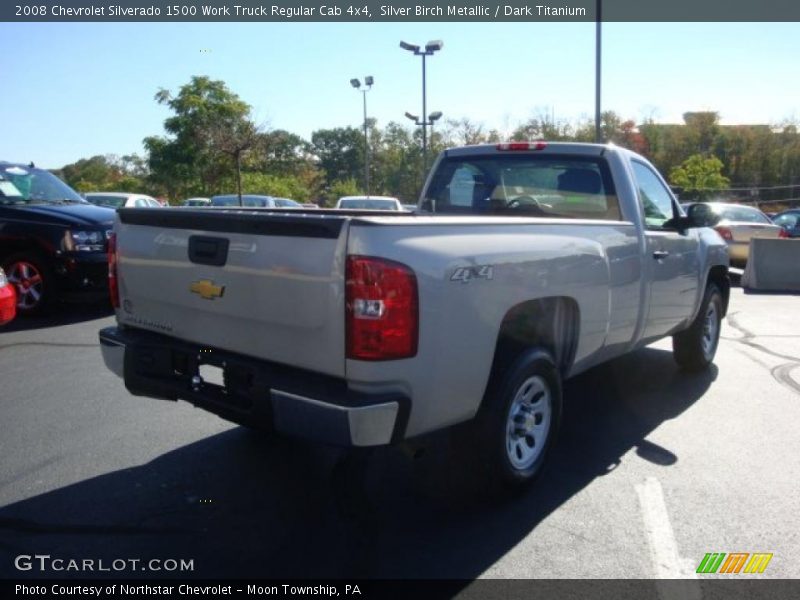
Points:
[(526, 264)]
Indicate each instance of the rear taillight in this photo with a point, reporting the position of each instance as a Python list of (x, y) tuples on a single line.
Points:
[(8, 300), (520, 146), (113, 284), (725, 232), (783, 234), (382, 309)]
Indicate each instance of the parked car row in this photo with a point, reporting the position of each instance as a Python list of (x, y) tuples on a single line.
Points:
[(121, 199), (264, 201), (128, 200), (53, 242)]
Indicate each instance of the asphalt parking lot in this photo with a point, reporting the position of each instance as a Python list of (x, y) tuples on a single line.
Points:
[(654, 469)]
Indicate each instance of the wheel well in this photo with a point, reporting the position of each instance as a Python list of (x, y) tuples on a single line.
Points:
[(548, 323), (719, 276)]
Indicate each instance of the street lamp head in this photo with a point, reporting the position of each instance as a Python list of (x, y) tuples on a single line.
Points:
[(435, 116), (409, 47), (368, 80), (434, 45), (412, 117), (355, 83)]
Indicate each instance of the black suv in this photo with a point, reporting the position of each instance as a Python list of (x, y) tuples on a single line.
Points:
[(52, 241)]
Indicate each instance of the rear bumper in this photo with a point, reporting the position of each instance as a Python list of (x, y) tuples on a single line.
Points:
[(254, 392), (738, 251)]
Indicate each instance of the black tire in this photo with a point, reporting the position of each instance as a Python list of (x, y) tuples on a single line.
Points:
[(516, 458), (694, 348), (33, 280)]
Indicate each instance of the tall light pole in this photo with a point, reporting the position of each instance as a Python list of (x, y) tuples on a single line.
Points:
[(430, 48), (597, 54), (368, 81), (432, 118)]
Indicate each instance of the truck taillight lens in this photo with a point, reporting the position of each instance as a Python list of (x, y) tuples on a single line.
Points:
[(113, 284), (725, 233), (381, 309), (783, 234)]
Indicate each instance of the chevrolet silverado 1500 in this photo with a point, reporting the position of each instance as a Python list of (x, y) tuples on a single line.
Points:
[(525, 264)]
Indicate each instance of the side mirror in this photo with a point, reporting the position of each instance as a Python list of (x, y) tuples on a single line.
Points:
[(700, 215)]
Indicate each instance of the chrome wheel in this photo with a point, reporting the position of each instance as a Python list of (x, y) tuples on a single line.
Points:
[(528, 423), (28, 281), (710, 335)]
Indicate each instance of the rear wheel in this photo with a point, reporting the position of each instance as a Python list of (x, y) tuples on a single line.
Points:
[(33, 281), (694, 349), (520, 418)]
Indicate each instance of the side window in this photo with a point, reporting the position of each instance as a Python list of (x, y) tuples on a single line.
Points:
[(655, 197)]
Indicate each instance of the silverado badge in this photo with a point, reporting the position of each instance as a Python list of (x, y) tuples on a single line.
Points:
[(207, 289)]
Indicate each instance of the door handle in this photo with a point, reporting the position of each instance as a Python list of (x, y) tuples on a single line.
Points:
[(660, 254)]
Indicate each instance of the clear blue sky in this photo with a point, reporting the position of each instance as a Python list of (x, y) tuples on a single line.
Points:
[(71, 91)]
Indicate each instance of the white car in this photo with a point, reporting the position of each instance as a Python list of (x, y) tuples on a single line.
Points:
[(122, 200), (369, 203)]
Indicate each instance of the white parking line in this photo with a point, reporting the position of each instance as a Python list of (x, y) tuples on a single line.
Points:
[(667, 562)]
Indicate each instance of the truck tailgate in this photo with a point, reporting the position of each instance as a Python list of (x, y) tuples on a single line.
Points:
[(253, 282)]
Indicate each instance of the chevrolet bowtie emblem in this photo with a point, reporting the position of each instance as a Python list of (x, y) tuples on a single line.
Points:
[(207, 289)]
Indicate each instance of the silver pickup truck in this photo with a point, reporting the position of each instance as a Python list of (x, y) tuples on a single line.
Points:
[(525, 264)]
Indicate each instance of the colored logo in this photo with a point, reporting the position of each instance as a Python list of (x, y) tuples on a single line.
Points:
[(207, 289), (735, 562)]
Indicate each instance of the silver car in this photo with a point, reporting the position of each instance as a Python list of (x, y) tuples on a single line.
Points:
[(738, 224)]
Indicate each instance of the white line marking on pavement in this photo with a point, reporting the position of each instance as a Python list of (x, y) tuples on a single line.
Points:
[(667, 561)]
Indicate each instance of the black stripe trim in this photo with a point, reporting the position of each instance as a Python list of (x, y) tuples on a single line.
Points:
[(255, 222)]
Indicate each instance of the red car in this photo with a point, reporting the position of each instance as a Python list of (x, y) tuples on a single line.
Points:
[(8, 300)]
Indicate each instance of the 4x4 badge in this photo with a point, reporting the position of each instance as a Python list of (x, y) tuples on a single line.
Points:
[(207, 289)]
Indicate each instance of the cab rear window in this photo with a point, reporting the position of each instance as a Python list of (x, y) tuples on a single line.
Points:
[(524, 185)]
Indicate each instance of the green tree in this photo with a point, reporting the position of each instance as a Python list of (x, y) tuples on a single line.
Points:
[(339, 188), (464, 131), (188, 161), (699, 175), (340, 153), (234, 138), (281, 151), (272, 184), (701, 130), (397, 160), (106, 173)]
